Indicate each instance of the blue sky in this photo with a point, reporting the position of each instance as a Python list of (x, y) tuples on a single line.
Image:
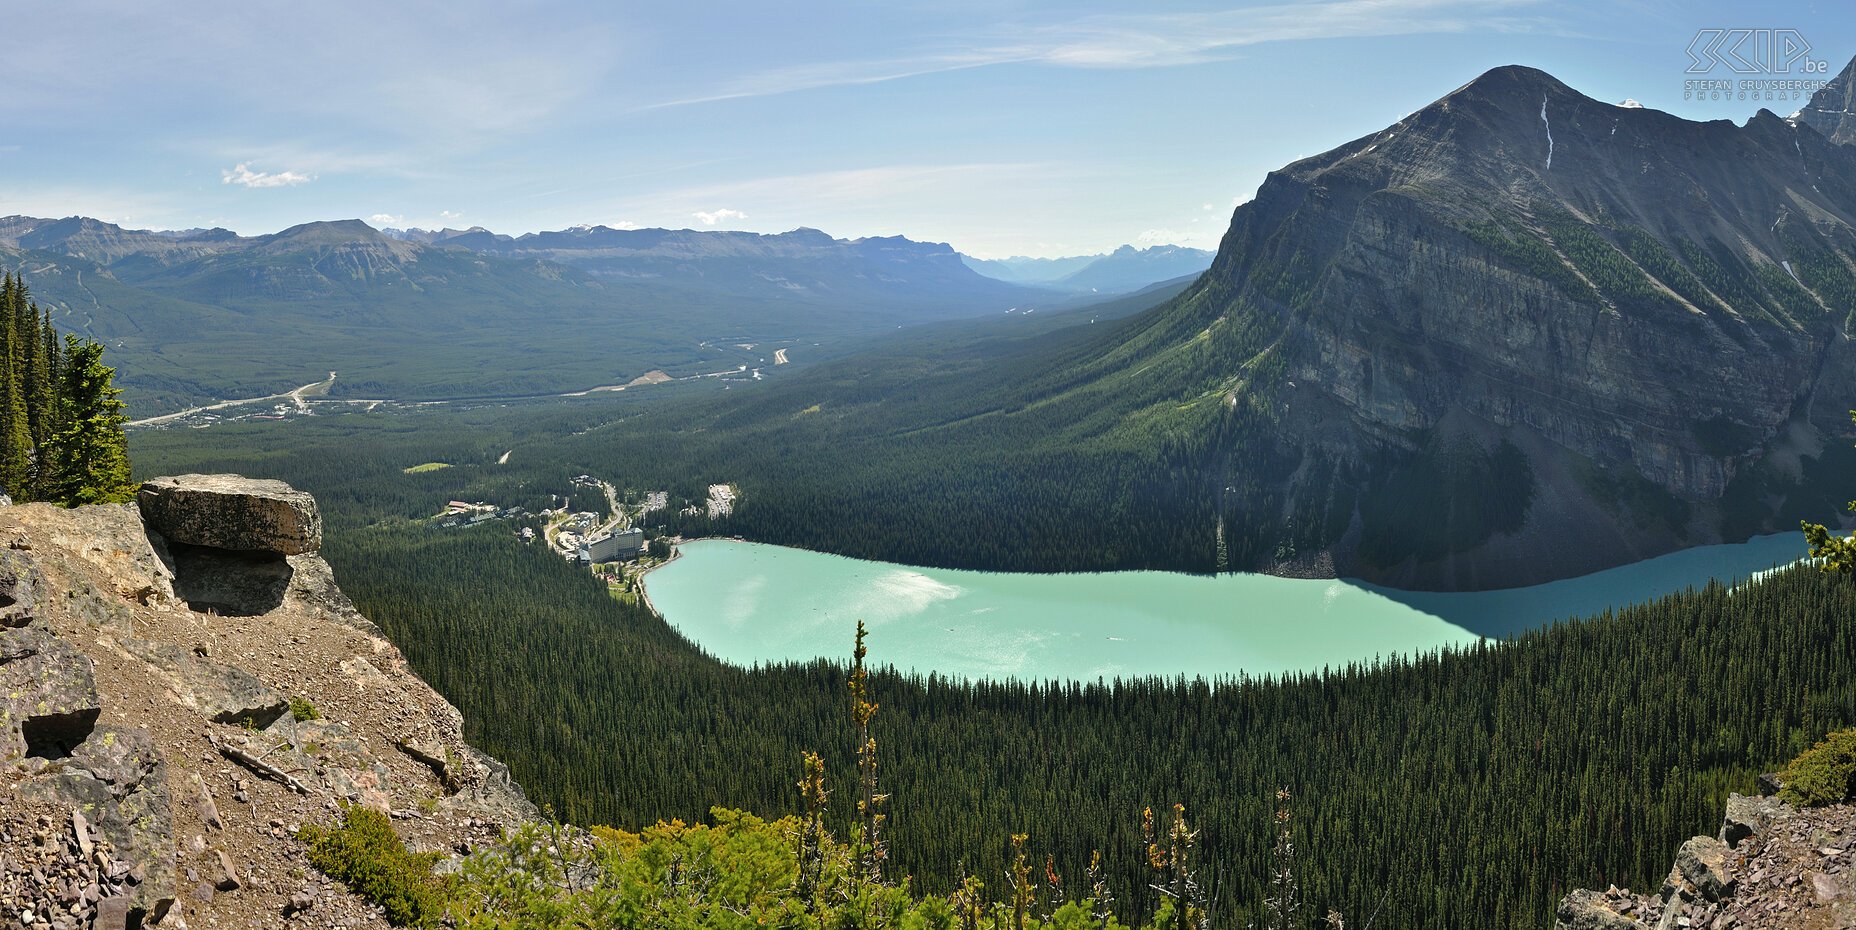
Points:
[(1004, 127)]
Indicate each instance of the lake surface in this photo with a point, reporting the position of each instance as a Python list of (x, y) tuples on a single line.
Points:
[(749, 602)]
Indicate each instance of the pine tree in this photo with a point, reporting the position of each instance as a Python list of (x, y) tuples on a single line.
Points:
[(89, 455), (870, 849), (15, 432)]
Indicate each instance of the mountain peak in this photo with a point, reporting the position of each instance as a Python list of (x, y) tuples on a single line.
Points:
[(328, 232), (1519, 81), (1829, 111), (809, 235)]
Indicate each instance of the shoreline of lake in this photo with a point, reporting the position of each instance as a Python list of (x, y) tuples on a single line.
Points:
[(749, 603)]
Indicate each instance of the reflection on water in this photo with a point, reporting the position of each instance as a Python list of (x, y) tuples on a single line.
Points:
[(749, 602)]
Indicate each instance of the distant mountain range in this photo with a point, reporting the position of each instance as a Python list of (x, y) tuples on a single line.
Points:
[(1122, 271), (200, 314)]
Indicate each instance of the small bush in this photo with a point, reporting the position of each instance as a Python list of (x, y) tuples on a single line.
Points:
[(1823, 774), (303, 711), (364, 853)]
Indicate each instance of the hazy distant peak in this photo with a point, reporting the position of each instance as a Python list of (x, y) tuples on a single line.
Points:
[(1126, 269)]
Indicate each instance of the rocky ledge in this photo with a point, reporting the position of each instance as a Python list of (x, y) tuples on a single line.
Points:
[(182, 686), (1772, 865)]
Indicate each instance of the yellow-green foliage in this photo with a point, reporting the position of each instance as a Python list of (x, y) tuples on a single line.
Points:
[(738, 872), (364, 853), (426, 467), (1823, 774), (303, 711)]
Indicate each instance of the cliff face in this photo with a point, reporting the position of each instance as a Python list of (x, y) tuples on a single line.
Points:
[(1654, 312), (182, 685), (1832, 110)]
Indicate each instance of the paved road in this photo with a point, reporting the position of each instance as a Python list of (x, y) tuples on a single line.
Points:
[(295, 397)]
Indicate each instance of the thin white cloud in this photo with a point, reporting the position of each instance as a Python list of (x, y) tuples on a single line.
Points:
[(386, 219), (710, 218), (1145, 41), (450, 214), (242, 175), (389, 71)]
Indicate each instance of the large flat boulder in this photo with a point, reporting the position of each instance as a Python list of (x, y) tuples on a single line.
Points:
[(232, 512)]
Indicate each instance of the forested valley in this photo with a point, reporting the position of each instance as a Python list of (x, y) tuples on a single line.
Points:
[(1463, 789)]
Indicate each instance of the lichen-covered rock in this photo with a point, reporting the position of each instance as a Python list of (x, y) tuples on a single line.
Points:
[(220, 693), (1748, 817), (1591, 910), (1700, 872), (48, 694), (118, 779), (20, 581), (232, 512)]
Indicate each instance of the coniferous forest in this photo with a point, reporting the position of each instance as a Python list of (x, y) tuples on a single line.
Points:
[(61, 436), (1468, 788)]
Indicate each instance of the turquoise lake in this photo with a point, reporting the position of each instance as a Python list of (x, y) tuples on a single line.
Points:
[(748, 603)]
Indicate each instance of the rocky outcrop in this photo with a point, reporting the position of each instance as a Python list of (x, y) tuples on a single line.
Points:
[(161, 739), (232, 512), (1748, 817), (1700, 872), (1592, 910), (1772, 865)]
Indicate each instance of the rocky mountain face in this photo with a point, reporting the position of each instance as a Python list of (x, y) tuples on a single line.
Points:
[(1772, 865), (106, 243), (1832, 110), (182, 685), (1603, 332)]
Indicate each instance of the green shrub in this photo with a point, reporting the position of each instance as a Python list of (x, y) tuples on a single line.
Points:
[(303, 711), (1823, 774), (364, 853)]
